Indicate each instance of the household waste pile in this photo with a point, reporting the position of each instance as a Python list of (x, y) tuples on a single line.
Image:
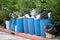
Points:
[(32, 24)]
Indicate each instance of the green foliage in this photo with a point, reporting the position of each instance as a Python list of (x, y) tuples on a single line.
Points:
[(25, 6), (54, 7)]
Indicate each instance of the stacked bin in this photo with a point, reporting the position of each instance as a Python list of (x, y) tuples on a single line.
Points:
[(37, 27), (25, 25), (31, 26), (19, 25), (12, 24), (43, 23)]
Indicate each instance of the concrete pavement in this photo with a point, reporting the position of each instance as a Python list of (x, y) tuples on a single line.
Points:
[(6, 36)]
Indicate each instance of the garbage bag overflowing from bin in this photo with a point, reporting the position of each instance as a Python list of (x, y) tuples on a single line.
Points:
[(43, 16), (30, 25)]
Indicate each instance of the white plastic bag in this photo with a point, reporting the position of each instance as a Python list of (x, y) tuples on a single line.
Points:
[(27, 16), (38, 16), (33, 12), (16, 28), (49, 14), (7, 25)]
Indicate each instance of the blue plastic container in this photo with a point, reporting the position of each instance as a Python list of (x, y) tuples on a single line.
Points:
[(19, 25), (31, 26), (37, 27), (25, 25), (10, 21), (43, 23), (12, 24)]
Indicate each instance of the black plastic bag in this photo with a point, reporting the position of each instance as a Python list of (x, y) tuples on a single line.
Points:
[(44, 16), (50, 29)]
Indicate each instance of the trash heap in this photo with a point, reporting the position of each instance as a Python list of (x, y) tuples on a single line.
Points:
[(33, 24)]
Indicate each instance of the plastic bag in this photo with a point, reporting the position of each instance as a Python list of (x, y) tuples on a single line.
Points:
[(44, 16), (50, 29)]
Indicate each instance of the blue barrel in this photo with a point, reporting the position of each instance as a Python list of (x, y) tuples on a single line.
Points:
[(43, 23), (31, 26), (37, 27), (12, 24), (10, 21), (25, 25), (19, 25)]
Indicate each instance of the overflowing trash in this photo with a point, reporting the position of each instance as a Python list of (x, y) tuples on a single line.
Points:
[(33, 23)]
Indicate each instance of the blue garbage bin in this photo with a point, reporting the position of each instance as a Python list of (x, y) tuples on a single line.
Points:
[(31, 26), (43, 23), (12, 24), (25, 25), (37, 27), (10, 21), (19, 25)]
